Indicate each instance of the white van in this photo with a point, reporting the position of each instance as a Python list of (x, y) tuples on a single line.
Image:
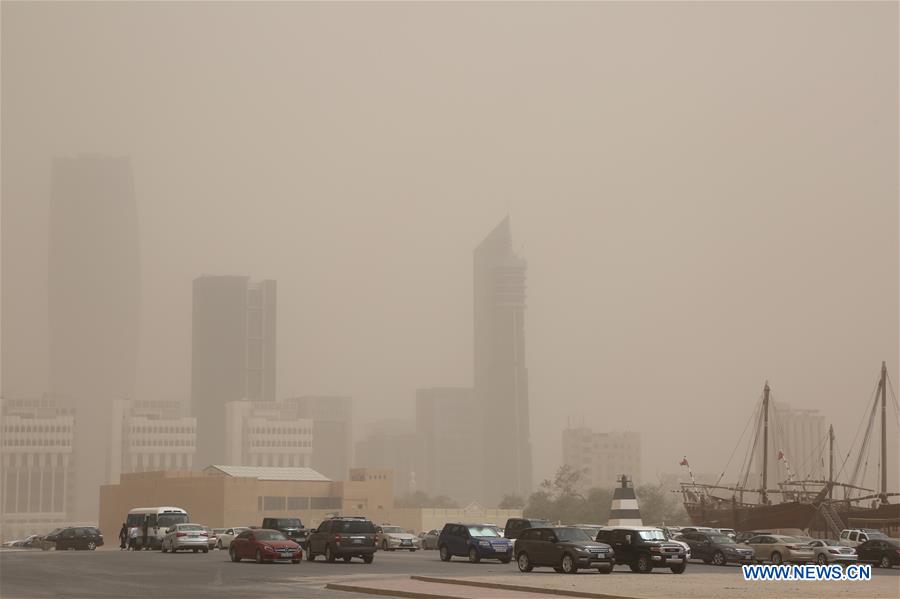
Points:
[(159, 519)]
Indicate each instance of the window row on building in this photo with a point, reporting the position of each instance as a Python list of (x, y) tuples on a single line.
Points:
[(37, 428), (280, 443), (279, 430), (37, 442), (154, 430), (276, 503)]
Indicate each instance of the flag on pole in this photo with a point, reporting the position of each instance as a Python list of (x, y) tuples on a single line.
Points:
[(683, 462), (780, 455)]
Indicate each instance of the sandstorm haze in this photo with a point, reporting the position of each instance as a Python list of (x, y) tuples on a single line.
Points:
[(705, 195)]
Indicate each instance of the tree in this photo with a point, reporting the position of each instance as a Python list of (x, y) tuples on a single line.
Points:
[(511, 502), (659, 506)]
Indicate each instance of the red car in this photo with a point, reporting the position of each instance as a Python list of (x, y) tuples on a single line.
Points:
[(264, 545)]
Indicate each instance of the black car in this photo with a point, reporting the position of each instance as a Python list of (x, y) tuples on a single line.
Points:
[(292, 528), (883, 552), (563, 548), (716, 548), (516, 525), (78, 537), (643, 548), (345, 537)]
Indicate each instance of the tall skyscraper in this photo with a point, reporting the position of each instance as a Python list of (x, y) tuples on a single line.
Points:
[(451, 444), (233, 354), (332, 418), (94, 288), (501, 379)]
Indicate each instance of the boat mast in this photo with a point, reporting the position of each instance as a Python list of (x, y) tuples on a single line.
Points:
[(830, 460), (765, 473), (883, 385)]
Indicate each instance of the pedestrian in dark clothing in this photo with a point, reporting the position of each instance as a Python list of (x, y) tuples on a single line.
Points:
[(123, 536), (145, 542)]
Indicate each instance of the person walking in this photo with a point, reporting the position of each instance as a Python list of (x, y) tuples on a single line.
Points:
[(123, 536), (145, 542), (133, 533)]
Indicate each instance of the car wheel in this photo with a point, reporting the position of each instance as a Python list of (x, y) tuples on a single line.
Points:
[(412, 550), (776, 558), (369, 558), (557, 569), (719, 558), (347, 559), (885, 562), (524, 563), (474, 558), (259, 557), (233, 555), (206, 550), (644, 565), (329, 554), (679, 569), (568, 564), (445, 553), (218, 544), (821, 559), (605, 570)]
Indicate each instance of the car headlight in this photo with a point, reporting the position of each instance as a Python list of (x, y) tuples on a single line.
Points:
[(268, 548), (484, 543)]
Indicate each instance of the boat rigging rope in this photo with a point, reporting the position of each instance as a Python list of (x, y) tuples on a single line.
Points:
[(736, 445), (855, 437)]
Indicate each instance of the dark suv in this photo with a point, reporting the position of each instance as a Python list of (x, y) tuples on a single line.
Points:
[(716, 548), (292, 528), (78, 537), (516, 525), (643, 548), (475, 541), (344, 536), (563, 548)]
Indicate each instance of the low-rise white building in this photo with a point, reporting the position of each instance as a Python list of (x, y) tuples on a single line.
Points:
[(151, 435), (267, 433), (603, 456)]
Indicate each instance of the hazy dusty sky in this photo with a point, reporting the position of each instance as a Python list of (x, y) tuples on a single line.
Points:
[(706, 195)]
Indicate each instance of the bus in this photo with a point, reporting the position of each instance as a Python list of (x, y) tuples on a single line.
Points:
[(159, 519)]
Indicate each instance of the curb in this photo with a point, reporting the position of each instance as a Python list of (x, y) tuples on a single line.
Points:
[(352, 588), (521, 588)]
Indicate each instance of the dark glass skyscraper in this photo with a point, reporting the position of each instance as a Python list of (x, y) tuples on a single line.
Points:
[(501, 379), (94, 288)]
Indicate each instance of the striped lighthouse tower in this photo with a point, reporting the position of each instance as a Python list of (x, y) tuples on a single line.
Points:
[(625, 510)]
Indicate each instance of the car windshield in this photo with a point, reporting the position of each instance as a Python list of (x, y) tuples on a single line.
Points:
[(288, 523), (483, 531), (830, 542), (572, 535), (353, 526), (191, 527), (269, 535), (652, 535), (721, 539), (169, 520), (392, 529)]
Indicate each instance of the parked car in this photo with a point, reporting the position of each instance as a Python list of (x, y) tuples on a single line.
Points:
[(228, 535), (590, 529), (475, 541), (77, 537), (516, 525), (48, 541), (563, 548), (743, 537), (853, 537), (429, 540), (185, 536), (686, 529), (292, 528), (264, 545), (643, 548), (716, 548), (729, 532), (883, 552), (780, 548), (391, 538), (211, 537), (345, 537), (829, 551), (681, 541)]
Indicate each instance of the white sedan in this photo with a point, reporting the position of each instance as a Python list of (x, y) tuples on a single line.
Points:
[(186, 536), (228, 535)]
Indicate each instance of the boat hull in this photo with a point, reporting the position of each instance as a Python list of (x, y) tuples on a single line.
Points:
[(751, 517)]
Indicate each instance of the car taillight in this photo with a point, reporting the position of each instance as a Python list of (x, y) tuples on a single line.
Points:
[(337, 538), (180, 534), (792, 547), (204, 534), (836, 551)]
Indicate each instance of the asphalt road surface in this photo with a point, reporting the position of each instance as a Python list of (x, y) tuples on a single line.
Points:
[(110, 573)]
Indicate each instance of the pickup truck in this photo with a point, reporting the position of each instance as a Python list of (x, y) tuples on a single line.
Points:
[(292, 528)]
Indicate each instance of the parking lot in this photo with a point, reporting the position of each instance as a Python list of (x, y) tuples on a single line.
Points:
[(112, 573)]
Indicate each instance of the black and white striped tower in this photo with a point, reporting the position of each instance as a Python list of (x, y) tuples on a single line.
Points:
[(625, 510)]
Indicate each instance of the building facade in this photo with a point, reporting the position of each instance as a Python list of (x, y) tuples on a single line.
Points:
[(501, 378), (233, 353), (332, 418), (798, 445), (94, 290), (151, 435), (603, 457), (38, 466), (451, 443), (267, 433), (393, 445)]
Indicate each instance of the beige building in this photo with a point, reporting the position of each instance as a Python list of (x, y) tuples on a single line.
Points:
[(242, 496), (151, 435), (603, 456), (38, 466), (267, 433)]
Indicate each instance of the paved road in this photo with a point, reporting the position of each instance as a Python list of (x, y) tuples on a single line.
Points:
[(125, 574)]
